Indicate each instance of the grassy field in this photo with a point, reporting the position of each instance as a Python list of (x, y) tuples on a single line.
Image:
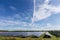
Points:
[(28, 38), (17, 38)]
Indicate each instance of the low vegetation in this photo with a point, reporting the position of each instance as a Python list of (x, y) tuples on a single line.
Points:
[(31, 37)]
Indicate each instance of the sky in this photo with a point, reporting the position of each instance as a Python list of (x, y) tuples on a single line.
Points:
[(29, 14)]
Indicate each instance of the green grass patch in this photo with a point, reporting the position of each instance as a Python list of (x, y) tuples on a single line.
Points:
[(18, 38)]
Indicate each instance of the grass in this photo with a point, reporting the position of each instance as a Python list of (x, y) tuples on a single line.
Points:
[(11, 38), (39, 38)]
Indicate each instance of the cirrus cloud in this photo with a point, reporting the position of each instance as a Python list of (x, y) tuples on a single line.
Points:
[(44, 11)]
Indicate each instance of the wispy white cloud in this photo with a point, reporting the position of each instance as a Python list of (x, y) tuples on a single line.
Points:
[(8, 22), (45, 10), (48, 26), (11, 22), (17, 16), (13, 8), (14, 21), (19, 25)]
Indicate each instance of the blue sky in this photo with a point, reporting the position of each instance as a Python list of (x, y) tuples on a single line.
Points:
[(16, 7), (20, 15)]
